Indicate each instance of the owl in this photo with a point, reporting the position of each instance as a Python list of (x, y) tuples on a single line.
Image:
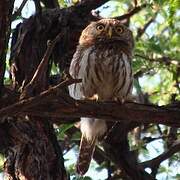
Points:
[(103, 61)]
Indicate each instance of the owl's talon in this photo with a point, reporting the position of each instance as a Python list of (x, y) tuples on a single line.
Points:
[(94, 97)]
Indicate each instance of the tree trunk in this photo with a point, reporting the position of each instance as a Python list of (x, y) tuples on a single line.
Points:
[(34, 152)]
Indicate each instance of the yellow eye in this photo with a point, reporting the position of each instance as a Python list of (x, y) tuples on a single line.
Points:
[(119, 29), (100, 27)]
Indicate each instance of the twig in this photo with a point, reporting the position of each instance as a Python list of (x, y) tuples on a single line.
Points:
[(135, 3), (135, 10), (155, 162), (177, 80), (159, 129), (141, 31), (40, 71), (38, 6), (164, 59), (32, 101), (43, 64), (17, 12)]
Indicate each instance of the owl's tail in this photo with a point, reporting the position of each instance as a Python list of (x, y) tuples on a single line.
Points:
[(85, 155)]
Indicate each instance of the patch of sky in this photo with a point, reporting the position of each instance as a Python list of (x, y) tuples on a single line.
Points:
[(112, 8), (28, 9), (154, 148), (148, 83)]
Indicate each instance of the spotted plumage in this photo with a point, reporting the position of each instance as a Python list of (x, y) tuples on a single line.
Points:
[(103, 62)]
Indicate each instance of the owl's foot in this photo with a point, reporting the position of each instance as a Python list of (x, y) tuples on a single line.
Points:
[(95, 97)]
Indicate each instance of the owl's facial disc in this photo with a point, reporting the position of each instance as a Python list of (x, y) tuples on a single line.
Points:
[(106, 31), (109, 32)]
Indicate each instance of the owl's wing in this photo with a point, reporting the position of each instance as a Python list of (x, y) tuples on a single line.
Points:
[(75, 90), (86, 149)]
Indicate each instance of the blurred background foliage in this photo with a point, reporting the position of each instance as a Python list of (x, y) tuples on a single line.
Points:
[(156, 67)]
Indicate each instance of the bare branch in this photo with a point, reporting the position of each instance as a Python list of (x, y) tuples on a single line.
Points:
[(164, 59), (142, 30), (6, 8), (18, 11), (167, 154), (33, 101), (135, 10), (55, 103), (86, 6), (135, 3), (40, 73)]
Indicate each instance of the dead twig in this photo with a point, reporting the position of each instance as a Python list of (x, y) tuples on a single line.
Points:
[(18, 11), (33, 101), (142, 30), (37, 81), (135, 10)]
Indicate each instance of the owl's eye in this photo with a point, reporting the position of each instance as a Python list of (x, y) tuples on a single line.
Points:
[(100, 27), (119, 29)]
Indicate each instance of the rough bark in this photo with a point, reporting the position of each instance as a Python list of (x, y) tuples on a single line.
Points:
[(29, 142), (6, 8), (54, 103), (33, 152), (29, 108)]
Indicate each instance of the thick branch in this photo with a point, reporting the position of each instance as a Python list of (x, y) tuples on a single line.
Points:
[(6, 8), (85, 6), (55, 103), (34, 101), (129, 112)]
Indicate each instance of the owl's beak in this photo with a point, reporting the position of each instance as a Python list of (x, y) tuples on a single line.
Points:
[(110, 32)]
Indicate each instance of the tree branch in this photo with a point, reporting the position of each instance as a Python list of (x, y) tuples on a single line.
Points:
[(135, 10), (6, 8), (142, 30), (167, 154), (164, 59), (55, 103), (85, 6), (18, 11), (38, 81)]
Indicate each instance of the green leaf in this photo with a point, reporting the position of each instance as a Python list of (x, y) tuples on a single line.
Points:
[(62, 129)]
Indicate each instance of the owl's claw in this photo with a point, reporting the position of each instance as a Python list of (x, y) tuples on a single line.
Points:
[(95, 97)]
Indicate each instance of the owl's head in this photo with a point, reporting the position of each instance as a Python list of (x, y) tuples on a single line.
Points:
[(106, 30)]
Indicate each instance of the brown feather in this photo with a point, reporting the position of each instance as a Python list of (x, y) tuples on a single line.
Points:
[(103, 62), (86, 151)]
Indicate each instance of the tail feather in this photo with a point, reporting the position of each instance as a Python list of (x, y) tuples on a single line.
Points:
[(86, 151)]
